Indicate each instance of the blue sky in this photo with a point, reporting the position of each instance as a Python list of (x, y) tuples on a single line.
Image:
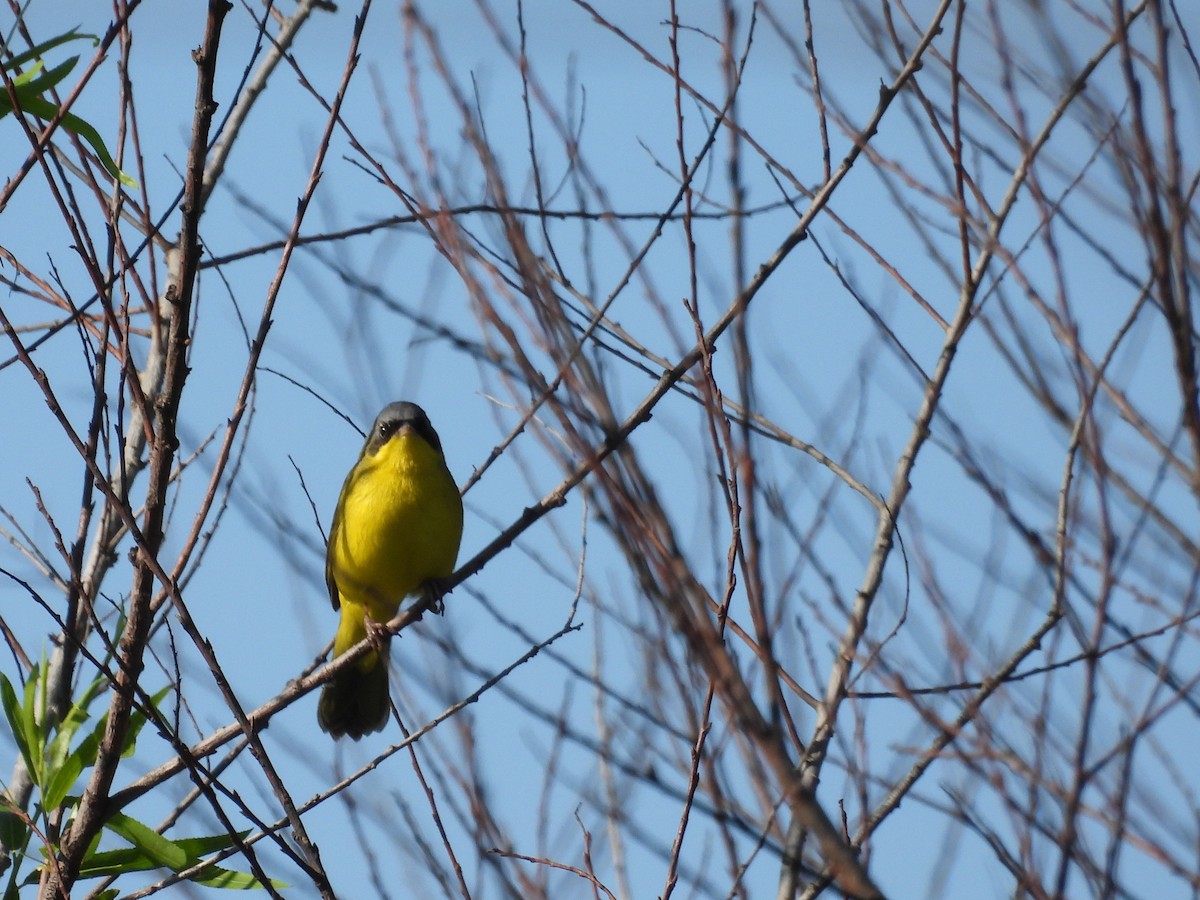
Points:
[(824, 372)]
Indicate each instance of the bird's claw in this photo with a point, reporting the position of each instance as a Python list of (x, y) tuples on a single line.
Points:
[(435, 590), (377, 633)]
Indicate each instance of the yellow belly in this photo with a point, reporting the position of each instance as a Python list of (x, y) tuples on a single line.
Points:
[(399, 524)]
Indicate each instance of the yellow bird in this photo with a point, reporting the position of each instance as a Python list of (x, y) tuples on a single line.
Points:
[(395, 533)]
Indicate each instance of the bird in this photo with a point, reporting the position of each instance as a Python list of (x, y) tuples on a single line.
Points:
[(395, 533)]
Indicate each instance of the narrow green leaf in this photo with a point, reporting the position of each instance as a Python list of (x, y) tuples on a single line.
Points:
[(16, 719), (34, 709), (90, 745), (215, 876), (36, 105), (60, 779), (163, 851), (151, 850), (75, 717), (28, 86), (113, 862), (89, 134), (214, 843), (28, 75), (29, 706), (36, 701), (130, 859), (13, 830), (134, 859), (116, 862), (40, 50), (40, 108)]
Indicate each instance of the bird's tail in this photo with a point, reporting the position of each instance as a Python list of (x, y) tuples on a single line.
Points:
[(356, 701)]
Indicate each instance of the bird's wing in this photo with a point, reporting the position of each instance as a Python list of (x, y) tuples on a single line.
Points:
[(334, 534)]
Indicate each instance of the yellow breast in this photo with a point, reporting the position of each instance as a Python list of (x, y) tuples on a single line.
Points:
[(399, 523)]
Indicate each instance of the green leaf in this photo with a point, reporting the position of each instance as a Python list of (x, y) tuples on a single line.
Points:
[(35, 702), (163, 851), (90, 745), (130, 859), (25, 77), (16, 719), (13, 830), (63, 768), (214, 843), (75, 717), (60, 780), (136, 859), (40, 50), (21, 719), (31, 84), (116, 862), (16, 832), (151, 850), (43, 109), (29, 88), (215, 876), (30, 702), (73, 123), (86, 752)]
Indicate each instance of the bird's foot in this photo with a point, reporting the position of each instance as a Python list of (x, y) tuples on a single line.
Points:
[(377, 634), (434, 590)]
